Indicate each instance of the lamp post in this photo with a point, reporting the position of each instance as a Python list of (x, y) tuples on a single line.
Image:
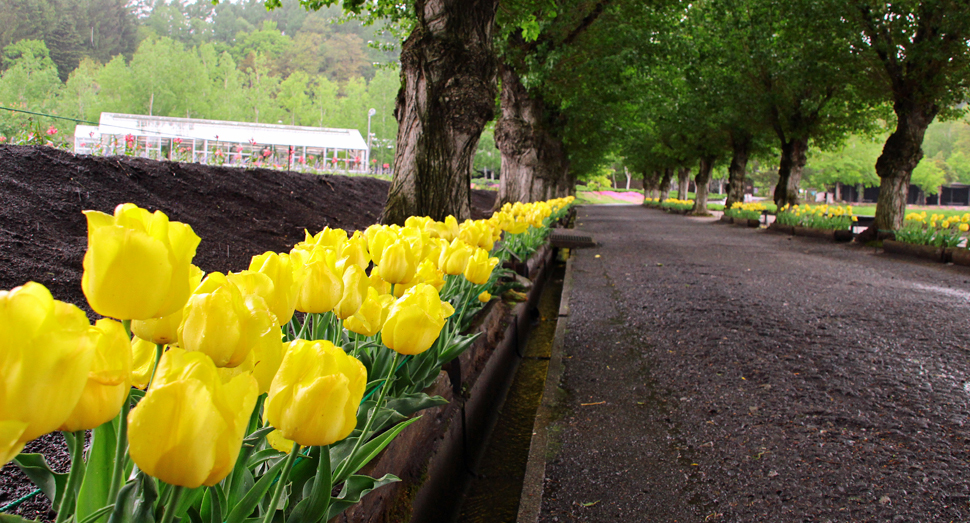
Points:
[(370, 113)]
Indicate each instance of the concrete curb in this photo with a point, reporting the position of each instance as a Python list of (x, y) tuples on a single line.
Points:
[(530, 502)]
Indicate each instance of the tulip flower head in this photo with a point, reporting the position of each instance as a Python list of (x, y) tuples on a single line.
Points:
[(137, 263), (455, 257), (369, 319), (189, 427), (314, 397), (109, 379), (415, 320), (287, 273), (479, 268), (164, 330), (46, 358), (323, 286), (222, 322), (355, 290)]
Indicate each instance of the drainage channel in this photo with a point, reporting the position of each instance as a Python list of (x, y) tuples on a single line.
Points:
[(493, 493)]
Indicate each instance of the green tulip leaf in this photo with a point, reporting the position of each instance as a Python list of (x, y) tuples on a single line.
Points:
[(354, 489), (93, 496), (94, 516), (136, 501), (35, 467), (369, 451), (408, 404), (248, 503), (316, 492), (261, 457), (457, 347)]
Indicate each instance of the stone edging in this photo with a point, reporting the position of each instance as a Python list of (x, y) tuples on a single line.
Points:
[(530, 501)]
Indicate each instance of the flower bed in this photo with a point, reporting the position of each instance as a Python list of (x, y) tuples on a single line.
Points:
[(829, 217), (936, 230), (248, 385), (677, 206), (745, 211)]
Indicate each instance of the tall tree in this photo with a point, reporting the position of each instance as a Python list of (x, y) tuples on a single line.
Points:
[(919, 54)]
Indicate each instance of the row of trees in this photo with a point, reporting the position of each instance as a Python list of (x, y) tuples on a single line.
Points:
[(671, 86)]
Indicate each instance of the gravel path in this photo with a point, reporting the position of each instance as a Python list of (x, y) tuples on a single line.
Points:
[(718, 373)]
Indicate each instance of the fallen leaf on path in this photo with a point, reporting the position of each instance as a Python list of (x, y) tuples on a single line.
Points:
[(590, 504), (588, 404)]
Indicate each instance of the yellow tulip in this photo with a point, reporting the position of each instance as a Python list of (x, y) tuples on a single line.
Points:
[(353, 252), (415, 320), (369, 319), (45, 357), (225, 324), (518, 227), (109, 379), (398, 263), (446, 230), (142, 362), (484, 297), (189, 427), (10, 444), (328, 237), (314, 397), (376, 282), (137, 263), (479, 268), (287, 273), (379, 237), (164, 330), (355, 290), (454, 258), (429, 273), (964, 227), (324, 286)]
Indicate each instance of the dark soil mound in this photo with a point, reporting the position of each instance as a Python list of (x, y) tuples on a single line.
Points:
[(237, 212)]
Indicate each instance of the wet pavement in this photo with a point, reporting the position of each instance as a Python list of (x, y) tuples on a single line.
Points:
[(719, 373)]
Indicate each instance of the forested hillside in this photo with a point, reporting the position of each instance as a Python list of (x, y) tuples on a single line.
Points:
[(231, 61)]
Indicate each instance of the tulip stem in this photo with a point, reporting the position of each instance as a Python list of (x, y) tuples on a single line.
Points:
[(73, 477), (173, 504), (278, 490), (127, 326), (121, 449), (159, 349), (370, 417)]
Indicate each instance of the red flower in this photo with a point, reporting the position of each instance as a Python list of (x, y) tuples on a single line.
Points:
[(52, 130)]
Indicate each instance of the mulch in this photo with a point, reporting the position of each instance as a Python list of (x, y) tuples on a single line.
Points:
[(238, 213)]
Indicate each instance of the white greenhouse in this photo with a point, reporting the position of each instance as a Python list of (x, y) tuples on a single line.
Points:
[(216, 142)]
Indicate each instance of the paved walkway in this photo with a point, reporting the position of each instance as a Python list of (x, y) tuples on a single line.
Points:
[(718, 373)]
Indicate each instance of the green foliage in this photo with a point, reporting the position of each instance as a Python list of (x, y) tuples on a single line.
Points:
[(600, 182)]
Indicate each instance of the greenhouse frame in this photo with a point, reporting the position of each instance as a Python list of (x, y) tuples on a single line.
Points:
[(217, 142)]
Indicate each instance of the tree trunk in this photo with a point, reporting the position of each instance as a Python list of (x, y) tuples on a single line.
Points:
[(741, 147), (793, 159), (665, 184), (651, 181), (900, 155), (701, 183), (683, 181), (447, 95), (534, 162), (838, 192)]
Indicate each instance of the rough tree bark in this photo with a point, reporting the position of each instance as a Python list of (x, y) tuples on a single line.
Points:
[(793, 159), (900, 155), (665, 183), (701, 183), (741, 148), (535, 166), (448, 89), (683, 181)]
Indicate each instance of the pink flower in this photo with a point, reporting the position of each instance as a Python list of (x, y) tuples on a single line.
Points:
[(129, 138), (252, 142), (266, 153), (52, 130), (91, 134), (217, 137), (3, 139), (177, 141)]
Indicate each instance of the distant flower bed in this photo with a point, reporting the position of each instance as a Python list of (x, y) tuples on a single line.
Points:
[(677, 205), (936, 230), (748, 211), (834, 217)]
